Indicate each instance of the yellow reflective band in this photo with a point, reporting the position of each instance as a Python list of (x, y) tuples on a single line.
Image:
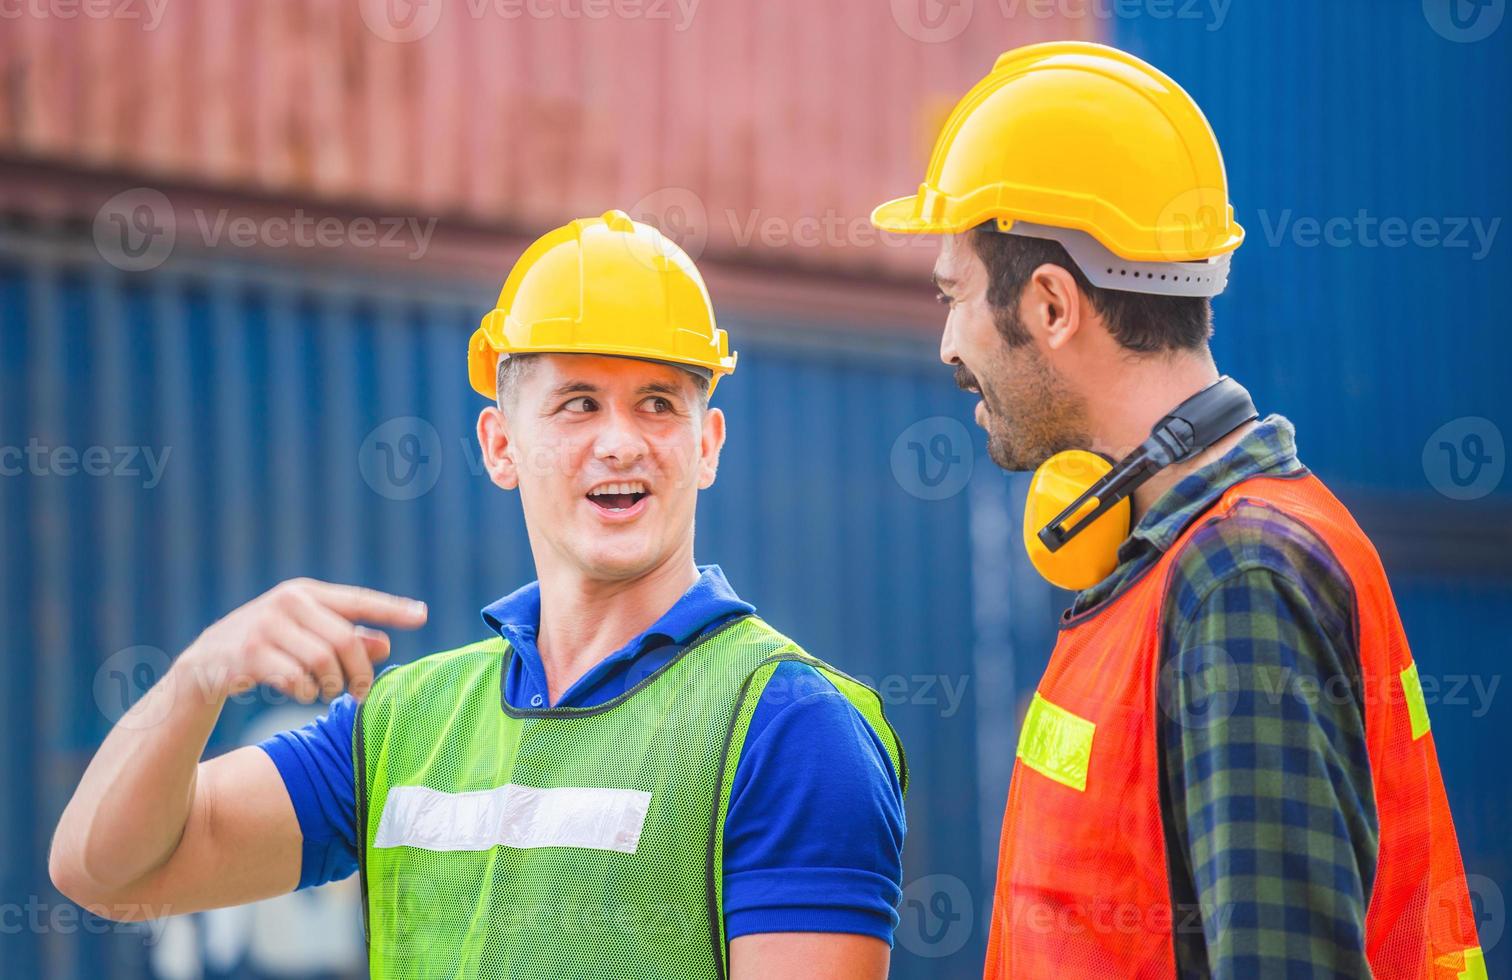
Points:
[(1417, 708), (1056, 743), (1475, 964)]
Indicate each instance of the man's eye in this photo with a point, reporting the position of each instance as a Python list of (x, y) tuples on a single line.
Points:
[(658, 404), (580, 404), (943, 299)]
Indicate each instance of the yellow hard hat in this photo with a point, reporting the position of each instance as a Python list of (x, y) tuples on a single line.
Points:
[(605, 285), (1074, 135)]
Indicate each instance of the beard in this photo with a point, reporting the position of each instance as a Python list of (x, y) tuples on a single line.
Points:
[(1032, 411)]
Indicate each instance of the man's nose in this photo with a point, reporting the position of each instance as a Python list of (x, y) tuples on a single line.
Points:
[(619, 438), (948, 352)]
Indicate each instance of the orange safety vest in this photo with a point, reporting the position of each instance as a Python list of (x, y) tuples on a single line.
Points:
[(1082, 889)]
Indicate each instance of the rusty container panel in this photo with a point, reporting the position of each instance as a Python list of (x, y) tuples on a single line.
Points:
[(764, 130)]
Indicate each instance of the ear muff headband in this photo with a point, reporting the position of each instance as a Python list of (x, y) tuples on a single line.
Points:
[(1190, 428)]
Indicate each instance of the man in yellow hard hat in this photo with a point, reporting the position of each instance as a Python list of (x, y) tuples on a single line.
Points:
[(620, 781), (1227, 769)]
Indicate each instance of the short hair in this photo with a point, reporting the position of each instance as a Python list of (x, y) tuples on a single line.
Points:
[(1140, 322), (511, 372)]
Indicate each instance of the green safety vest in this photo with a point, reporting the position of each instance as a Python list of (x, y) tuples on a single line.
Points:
[(560, 842)]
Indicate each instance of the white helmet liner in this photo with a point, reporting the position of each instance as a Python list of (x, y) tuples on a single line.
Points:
[(1107, 271)]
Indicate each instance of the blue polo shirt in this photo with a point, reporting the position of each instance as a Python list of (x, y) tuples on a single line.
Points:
[(813, 840)]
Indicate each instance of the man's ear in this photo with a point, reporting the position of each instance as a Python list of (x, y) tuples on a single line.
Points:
[(710, 443), (1051, 307), (498, 448)]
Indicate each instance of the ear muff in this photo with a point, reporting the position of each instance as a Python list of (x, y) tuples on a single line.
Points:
[(1092, 554), (1077, 548)]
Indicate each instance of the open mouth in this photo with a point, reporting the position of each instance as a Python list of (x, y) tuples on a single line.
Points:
[(617, 498)]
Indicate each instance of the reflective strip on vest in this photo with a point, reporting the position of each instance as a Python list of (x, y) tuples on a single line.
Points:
[(1083, 888), (1417, 705), (500, 844), (1475, 965), (513, 816), (1057, 743)]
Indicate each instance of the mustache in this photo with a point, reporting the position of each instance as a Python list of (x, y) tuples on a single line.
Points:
[(965, 380)]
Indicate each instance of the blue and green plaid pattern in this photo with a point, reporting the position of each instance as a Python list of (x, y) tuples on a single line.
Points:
[(1269, 812)]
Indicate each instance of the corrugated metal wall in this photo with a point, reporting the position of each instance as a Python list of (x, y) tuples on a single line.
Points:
[(778, 110), (712, 114), (259, 387), (1332, 111), (1327, 111)]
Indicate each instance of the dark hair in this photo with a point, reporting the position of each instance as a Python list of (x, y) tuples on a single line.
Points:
[(1140, 322)]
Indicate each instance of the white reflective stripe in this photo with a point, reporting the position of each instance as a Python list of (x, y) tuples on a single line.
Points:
[(513, 816)]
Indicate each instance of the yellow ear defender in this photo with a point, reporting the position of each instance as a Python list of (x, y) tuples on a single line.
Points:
[(1077, 513)]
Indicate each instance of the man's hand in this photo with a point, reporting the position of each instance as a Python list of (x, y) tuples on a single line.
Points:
[(153, 831), (301, 638)]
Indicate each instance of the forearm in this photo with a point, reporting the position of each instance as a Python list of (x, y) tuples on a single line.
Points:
[(129, 811), (150, 826)]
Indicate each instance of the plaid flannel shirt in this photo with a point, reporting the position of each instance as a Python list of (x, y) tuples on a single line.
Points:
[(1266, 794)]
